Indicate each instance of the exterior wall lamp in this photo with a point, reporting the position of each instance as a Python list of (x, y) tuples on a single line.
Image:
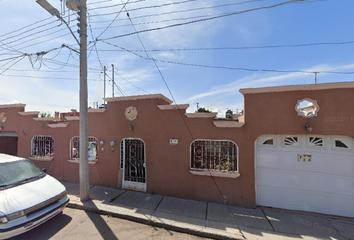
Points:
[(308, 128)]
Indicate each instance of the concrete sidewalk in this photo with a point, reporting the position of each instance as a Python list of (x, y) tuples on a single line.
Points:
[(209, 219)]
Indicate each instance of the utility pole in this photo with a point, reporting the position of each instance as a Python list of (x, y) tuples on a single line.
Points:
[(104, 85), (75, 5), (112, 80), (84, 168), (316, 75)]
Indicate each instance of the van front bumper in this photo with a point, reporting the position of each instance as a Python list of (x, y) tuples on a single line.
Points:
[(24, 224)]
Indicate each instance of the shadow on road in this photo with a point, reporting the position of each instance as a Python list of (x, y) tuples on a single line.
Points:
[(101, 226), (47, 229)]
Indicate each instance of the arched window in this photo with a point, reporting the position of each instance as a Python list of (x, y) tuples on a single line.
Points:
[(92, 148), (217, 155), (42, 147)]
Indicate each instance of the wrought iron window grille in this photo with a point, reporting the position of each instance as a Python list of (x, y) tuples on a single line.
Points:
[(216, 155)]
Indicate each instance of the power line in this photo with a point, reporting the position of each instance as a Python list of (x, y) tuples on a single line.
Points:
[(184, 120), (10, 48), (103, 1), (158, 69), (211, 18), (42, 70), (179, 11), (35, 28), (93, 39), (146, 7), (40, 21), (1, 60), (233, 48), (116, 72), (120, 90), (10, 66), (35, 38), (113, 20), (226, 67), (115, 5), (49, 78)]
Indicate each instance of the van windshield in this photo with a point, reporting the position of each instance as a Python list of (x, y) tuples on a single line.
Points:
[(17, 172)]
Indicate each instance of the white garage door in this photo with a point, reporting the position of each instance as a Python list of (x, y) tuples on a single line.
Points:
[(308, 173)]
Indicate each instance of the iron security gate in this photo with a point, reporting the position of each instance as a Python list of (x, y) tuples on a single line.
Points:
[(133, 160)]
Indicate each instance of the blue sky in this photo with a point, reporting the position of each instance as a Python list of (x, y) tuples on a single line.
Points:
[(216, 89)]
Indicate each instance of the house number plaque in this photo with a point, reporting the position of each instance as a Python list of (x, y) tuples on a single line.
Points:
[(304, 157)]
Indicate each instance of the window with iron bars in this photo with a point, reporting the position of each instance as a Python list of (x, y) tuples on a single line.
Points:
[(216, 155), (42, 147), (92, 148)]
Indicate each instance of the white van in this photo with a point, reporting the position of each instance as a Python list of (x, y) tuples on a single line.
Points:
[(28, 196)]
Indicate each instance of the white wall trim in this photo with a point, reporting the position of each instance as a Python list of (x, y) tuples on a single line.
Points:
[(32, 113), (307, 87), (173, 107), (16, 105), (215, 174), (72, 118), (228, 124), (139, 97), (201, 115)]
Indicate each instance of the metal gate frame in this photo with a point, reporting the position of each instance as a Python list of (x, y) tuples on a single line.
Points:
[(136, 186)]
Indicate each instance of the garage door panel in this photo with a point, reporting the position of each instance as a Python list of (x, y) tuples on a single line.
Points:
[(318, 202), (323, 183), (283, 197), (321, 163), (344, 205), (318, 182), (343, 165), (268, 177), (343, 185), (269, 160)]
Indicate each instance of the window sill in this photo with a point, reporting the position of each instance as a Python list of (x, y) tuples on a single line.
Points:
[(43, 159), (215, 173), (78, 161)]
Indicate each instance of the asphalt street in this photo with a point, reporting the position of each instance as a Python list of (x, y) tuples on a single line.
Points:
[(78, 224)]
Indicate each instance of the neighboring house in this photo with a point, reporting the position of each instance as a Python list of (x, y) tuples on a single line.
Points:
[(279, 154)]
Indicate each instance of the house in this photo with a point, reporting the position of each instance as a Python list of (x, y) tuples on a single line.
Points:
[(293, 148)]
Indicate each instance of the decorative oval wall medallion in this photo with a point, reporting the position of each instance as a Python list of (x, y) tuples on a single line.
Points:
[(3, 117), (307, 108), (131, 113)]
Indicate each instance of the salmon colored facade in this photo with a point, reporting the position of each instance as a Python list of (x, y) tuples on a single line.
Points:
[(266, 111)]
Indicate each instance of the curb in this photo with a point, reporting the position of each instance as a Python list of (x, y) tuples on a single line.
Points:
[(156, 224)]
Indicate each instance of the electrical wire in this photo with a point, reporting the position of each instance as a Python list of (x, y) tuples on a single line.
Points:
[(116, 72), (146, 7), (32, 24), (11, 65), (119, 89), (180, 11), (49, 78), (115, 5), (113, 19), (226, 67), (1, 60), (93, 39), (211, 18), (35, 28), (234, 48), (185, 122)]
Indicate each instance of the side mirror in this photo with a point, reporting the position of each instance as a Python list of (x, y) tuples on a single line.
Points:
[(44, 170)]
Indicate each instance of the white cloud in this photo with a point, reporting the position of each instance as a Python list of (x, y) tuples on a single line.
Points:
[(261, 80)]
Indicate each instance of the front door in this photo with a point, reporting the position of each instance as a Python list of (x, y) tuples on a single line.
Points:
[(134, 168)]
